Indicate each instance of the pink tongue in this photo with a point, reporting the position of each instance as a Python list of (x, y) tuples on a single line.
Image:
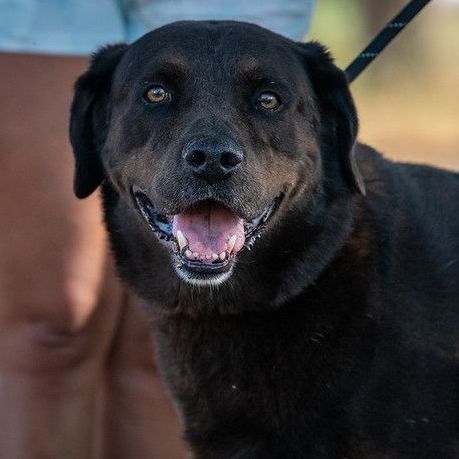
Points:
[(208, 227)]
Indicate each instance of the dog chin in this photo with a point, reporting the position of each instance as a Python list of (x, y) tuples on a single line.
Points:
[(206, 280)]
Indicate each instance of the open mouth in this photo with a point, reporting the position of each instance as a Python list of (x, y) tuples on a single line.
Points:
[(207, 236)]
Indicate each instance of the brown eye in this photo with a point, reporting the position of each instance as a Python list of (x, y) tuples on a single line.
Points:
[(269, 100), (156, 94)]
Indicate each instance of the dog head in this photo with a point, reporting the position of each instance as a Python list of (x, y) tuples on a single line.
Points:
[(212, 135)]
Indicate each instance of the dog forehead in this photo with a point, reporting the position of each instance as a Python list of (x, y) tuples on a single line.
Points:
[(190, 46), (192, 35)]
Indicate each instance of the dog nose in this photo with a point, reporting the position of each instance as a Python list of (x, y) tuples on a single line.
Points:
[(212, 159)]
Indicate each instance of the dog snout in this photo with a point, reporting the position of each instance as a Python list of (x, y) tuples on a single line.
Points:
[(212, 159)]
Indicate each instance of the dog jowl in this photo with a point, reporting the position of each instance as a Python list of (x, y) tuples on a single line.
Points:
[(291, 294)]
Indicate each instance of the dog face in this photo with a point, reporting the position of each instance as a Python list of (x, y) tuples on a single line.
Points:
[(212, 134)]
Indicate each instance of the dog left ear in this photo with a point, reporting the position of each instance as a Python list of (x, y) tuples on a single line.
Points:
[(338, 116), (89, 118)]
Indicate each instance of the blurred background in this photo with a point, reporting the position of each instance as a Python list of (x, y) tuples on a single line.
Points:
[(408, 99)]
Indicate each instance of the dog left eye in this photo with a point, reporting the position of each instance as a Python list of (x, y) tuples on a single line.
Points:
[(156, 94), (268, 100)]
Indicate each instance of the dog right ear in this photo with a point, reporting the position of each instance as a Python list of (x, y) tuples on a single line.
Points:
[(90, 117)]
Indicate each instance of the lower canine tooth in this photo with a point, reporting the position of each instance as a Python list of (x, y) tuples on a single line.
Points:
[(188, 253), (222, 256), (231, 243), (182, 240)]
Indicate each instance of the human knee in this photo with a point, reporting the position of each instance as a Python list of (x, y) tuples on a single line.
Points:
[(60, 332)]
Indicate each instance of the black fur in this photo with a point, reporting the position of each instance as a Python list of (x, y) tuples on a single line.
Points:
[(337, 335), (90, 118)]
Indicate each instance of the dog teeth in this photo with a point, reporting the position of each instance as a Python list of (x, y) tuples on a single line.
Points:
[(198, 256), (231, 243), (182, 240)]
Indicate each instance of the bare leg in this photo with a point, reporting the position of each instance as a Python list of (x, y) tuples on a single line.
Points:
[(55, 320)]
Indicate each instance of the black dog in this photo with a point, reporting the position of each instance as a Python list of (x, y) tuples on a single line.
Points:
[(296, 316)]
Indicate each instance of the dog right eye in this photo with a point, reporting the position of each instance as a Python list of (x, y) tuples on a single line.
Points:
[(269, 101), (156, 94)]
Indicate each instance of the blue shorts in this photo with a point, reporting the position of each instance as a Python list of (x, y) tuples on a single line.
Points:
[(78, 27)]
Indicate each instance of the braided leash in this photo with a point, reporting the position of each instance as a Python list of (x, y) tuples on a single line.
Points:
[(390, 31)]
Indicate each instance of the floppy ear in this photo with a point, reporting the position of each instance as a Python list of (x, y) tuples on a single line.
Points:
[(338, 116), (89, 118)]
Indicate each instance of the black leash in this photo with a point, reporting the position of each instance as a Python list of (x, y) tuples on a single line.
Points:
[(383, 38)]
